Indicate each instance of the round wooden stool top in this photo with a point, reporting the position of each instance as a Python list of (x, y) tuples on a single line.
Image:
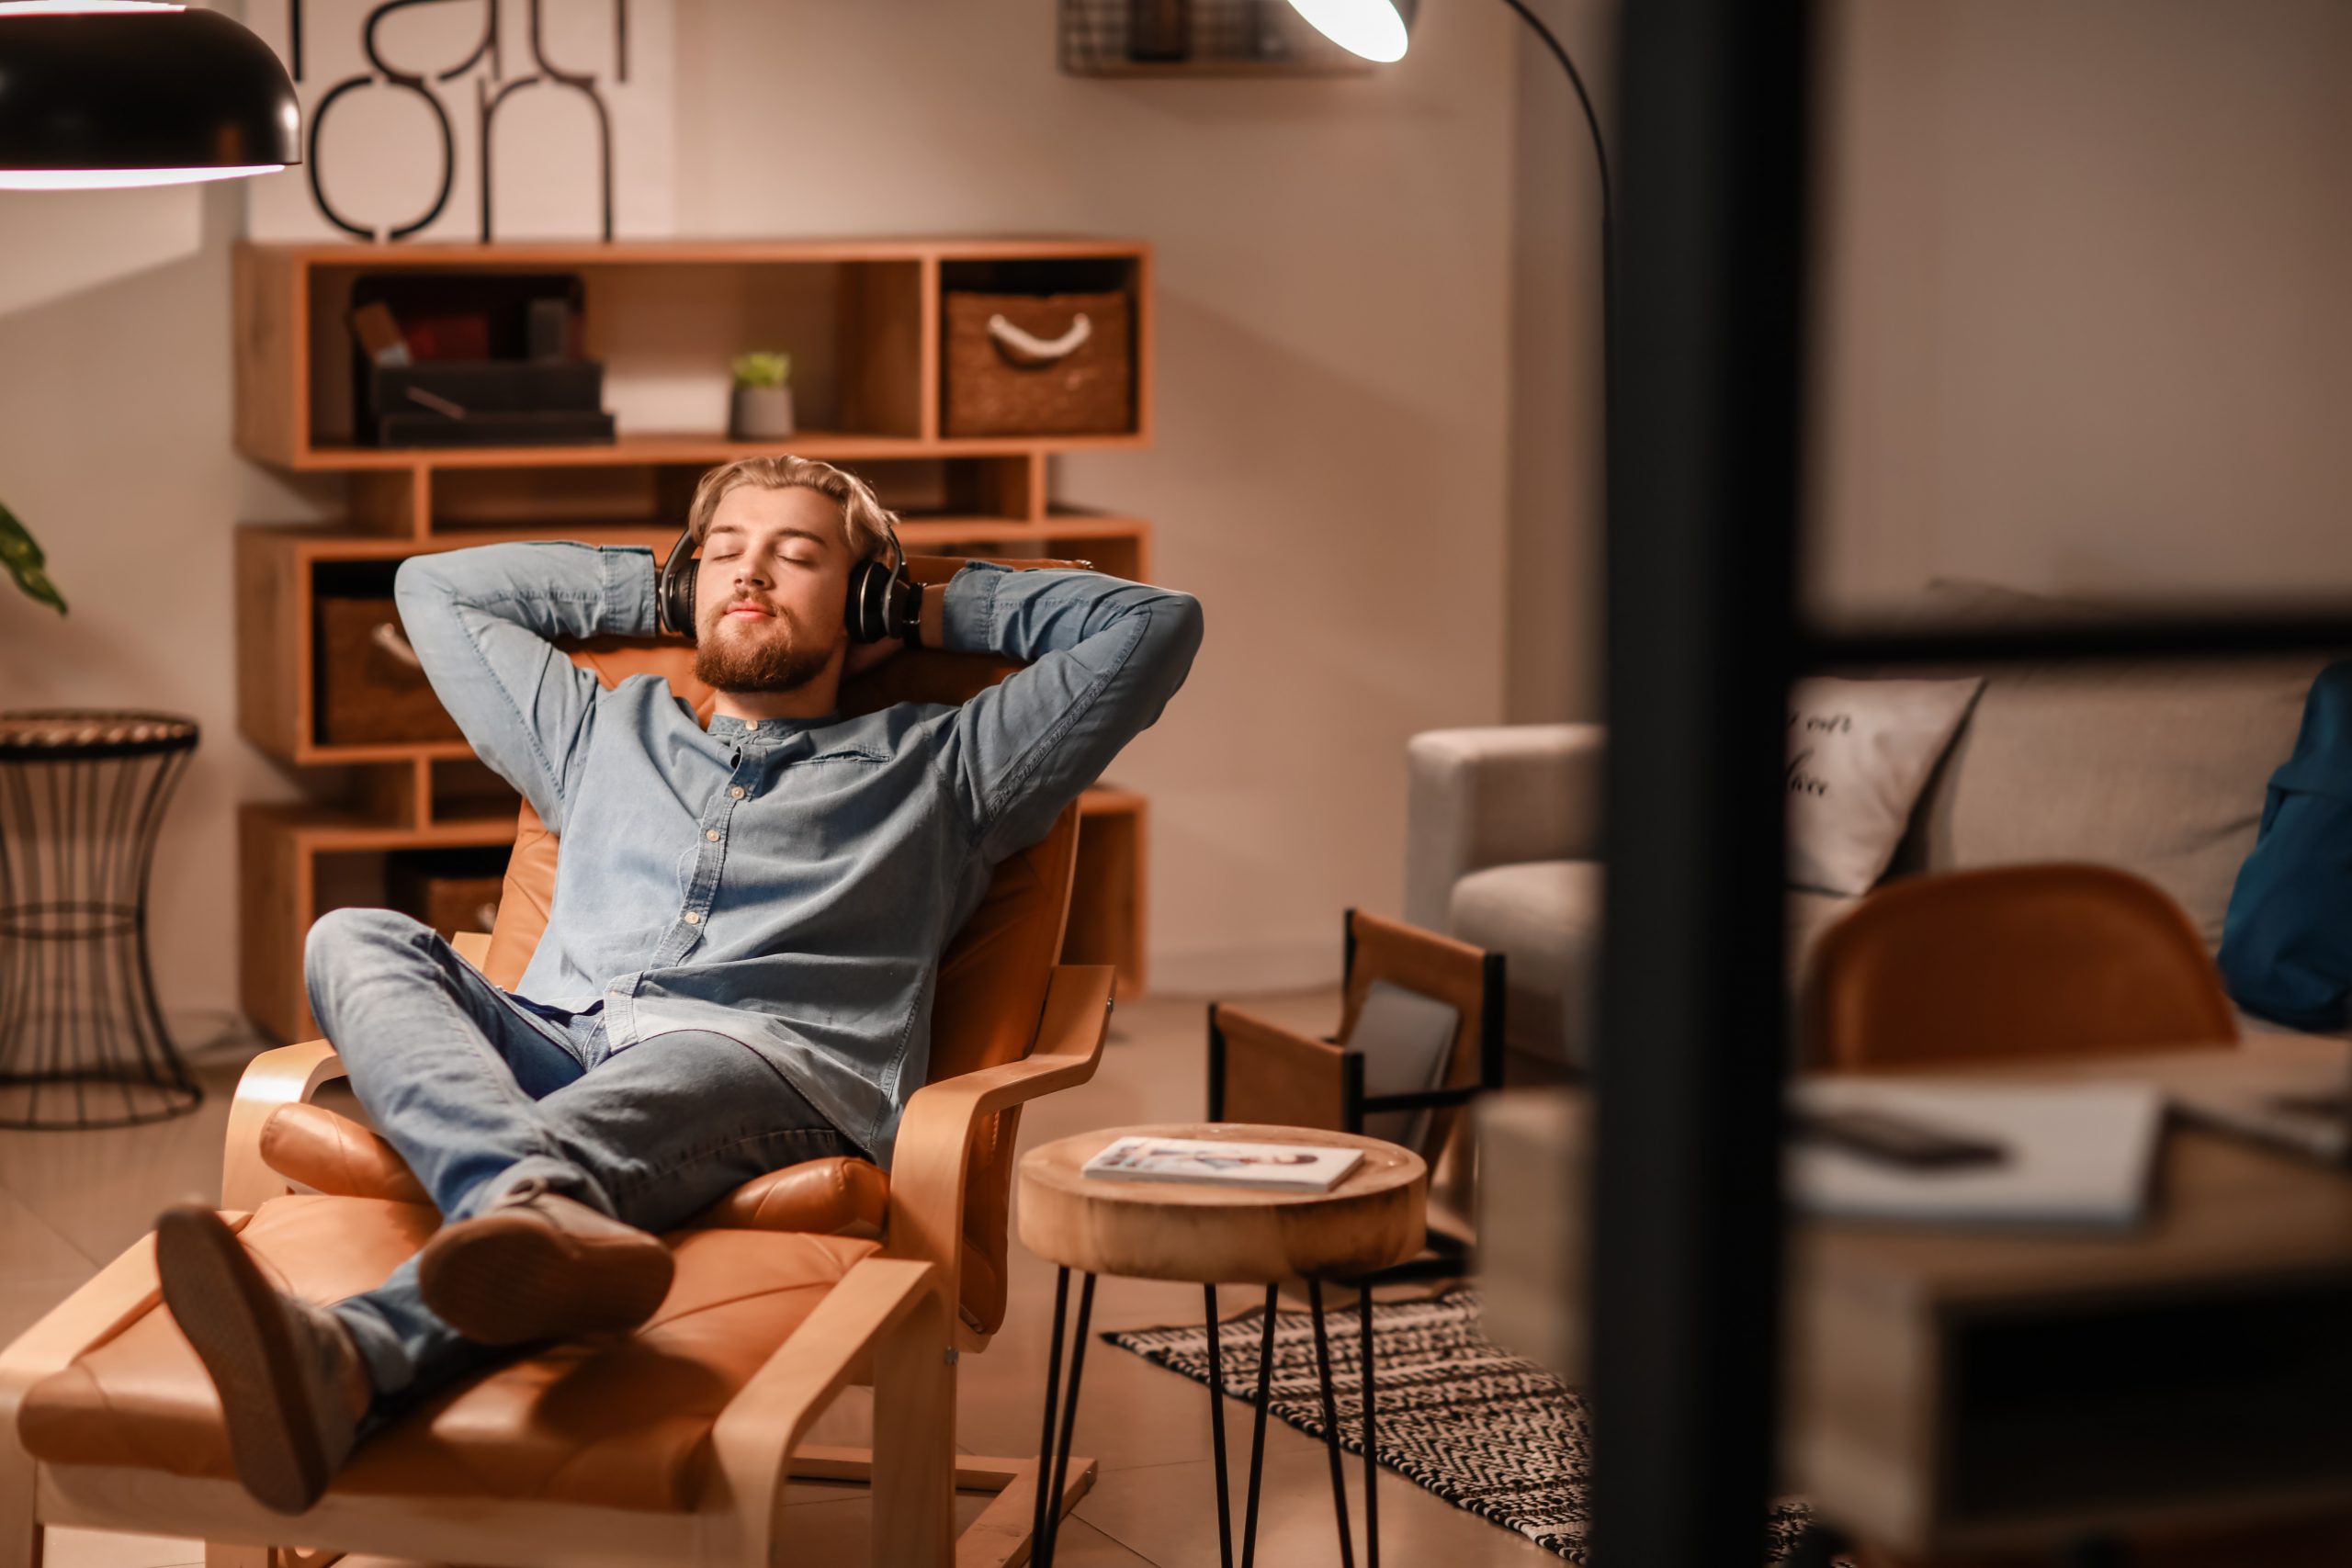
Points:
[(1213, 1235)]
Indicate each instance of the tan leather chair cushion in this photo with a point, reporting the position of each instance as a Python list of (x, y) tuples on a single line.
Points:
[(333, 1153), (336, 1155), (839, 1196), (622, 1421)]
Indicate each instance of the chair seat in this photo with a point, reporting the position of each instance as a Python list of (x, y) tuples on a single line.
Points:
[(333, 1153), (838, 1196), (620, 1421)]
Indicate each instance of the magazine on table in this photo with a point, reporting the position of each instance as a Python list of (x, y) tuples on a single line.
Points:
[(1286, 1167)]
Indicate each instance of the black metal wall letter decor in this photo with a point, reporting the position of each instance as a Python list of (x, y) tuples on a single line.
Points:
[(491, 90)]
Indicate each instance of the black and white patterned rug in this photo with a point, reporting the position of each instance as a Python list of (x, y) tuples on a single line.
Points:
[(1464, 1418)]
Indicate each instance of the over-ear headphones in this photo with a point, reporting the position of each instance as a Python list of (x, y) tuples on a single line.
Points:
[(883, 601)]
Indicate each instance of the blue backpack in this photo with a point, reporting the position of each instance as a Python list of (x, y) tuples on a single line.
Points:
[(2287, 941)]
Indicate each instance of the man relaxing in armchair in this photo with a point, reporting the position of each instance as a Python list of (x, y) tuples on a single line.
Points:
[(737, 967)]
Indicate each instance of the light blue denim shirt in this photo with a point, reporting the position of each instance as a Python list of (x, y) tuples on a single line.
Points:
[(790, 882)]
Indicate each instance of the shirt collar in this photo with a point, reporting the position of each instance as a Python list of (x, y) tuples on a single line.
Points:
[(755, 732)]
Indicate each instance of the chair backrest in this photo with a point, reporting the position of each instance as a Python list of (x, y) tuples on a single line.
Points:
[(1466, 979), (2007, 961), (991, 994)]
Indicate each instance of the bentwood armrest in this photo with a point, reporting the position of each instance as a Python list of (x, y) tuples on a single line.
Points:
[(287, 1075), (887, 1319), (1259, 1071), (935, 1134)]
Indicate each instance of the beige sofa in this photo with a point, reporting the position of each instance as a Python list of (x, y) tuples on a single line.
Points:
[(2155, 767)]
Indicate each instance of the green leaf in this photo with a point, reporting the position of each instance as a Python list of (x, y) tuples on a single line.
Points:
[(762, 368), (23, 557)]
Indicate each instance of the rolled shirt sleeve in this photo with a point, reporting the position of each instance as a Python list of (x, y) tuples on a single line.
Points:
[(1103, 656), (481, 621)]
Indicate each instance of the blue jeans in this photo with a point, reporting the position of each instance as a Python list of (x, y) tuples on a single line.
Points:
[(479, 1091)]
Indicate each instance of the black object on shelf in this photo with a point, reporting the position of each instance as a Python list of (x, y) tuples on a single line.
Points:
[(493, 361), (82, 799), (519, 427), (1160, 31), (475, 402)]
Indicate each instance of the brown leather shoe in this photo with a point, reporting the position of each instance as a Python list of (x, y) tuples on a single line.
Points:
[(285, 1369), (538, 1265)]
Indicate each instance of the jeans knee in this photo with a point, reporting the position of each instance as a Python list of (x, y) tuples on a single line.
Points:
[(341, 941)]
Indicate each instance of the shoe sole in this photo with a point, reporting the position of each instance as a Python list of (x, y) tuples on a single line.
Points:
[(501, 1280), (231, 1314)]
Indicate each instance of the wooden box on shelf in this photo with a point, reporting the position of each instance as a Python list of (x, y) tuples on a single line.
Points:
[(865, 321)]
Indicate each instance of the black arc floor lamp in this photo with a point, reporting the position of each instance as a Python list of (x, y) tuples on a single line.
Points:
[(100, 94), (1381, 30)]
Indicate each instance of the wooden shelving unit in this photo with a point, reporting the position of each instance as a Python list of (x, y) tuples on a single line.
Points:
[(863, 321)]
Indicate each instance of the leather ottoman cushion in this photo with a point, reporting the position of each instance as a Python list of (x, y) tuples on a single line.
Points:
[(622, 1421)]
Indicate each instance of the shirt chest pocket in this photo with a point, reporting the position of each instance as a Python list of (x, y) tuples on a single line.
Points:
[(819, 809)]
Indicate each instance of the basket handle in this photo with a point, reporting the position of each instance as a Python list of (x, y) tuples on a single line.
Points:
[(1030, 346), (387, 637)]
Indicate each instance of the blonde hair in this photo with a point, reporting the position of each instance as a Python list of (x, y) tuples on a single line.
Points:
[(867, 526)]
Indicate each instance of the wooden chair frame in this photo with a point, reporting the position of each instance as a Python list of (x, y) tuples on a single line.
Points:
[(892, 1323), (1328, 1077)]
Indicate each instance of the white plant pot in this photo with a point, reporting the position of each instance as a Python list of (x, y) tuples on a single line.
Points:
[(760, 414)]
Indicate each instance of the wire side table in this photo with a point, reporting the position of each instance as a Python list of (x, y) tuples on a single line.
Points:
[(82, 799)]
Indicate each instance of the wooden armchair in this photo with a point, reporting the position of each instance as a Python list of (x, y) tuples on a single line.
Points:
[(670, 1444), (1261, 1072)]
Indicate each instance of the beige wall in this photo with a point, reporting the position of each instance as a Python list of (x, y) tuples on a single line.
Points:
[(1329, 476), (2089, 326), (1552, 658)]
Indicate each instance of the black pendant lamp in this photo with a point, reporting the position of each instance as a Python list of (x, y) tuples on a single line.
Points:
[(98, 93)]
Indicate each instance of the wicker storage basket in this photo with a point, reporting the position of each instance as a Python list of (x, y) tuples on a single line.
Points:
[(1040, 364), (371, 690)]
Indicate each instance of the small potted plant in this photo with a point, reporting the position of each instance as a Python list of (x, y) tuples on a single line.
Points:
[(25, 562), (761, 407)]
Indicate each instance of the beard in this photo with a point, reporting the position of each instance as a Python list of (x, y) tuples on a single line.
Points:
[(755, 655)]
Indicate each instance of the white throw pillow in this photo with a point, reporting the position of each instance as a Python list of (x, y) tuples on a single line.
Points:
[(1860, 752)]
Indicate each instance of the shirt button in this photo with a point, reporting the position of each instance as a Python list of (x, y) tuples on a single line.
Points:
[(737, 792), (750, 724), (712, 835), (693, 919)]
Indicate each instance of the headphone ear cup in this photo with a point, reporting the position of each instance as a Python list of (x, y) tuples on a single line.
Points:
[(899, 606), (859, 614), (675, 589)]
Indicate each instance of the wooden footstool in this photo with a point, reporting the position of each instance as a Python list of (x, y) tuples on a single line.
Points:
[(1211, 1234)]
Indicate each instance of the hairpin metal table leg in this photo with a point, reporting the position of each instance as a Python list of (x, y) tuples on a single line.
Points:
[(1371, 1454), (1217, 1432), (1038, 1512), (1258, 1425), (1330, 1422), (1044, 1556)]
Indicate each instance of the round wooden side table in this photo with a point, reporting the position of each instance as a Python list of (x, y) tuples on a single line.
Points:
[(1210, 1234)]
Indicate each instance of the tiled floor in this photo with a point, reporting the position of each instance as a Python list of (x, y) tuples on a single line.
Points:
[(69, 1202)]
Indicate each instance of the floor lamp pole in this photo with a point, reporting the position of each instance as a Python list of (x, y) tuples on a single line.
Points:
[(1600, 162)]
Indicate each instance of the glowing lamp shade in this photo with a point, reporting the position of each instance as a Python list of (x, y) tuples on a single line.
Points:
[(1376, 29), (112, 93)]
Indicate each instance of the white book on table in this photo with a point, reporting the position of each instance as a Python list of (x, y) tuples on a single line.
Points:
[(2075, 1155), (1284, 1168)]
